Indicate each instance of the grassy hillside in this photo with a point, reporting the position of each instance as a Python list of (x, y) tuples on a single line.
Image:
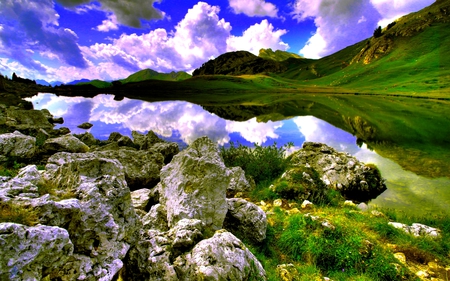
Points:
[(410, 56), (148, 74), (96, 83), (277, 55)]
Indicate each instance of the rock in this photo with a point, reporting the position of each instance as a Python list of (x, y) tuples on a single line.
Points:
[(25, 183), (29, 252), (17, 145), (246, 220), (400, 257), (287, 272), (27, 121), (221, 257), (340, 171), (167, 149), (85, 125), (114, 137), (417, 229), (193, 185), (238, 182), (306, 205), (66, 143), (145, 142), (349, 203), (156, 218), (141, 198), (101, 219), (150, 259), (184, 235), (125, 141), (87, 138), (142, 168)]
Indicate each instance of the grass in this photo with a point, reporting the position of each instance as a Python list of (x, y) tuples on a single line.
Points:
[(334, 240), (10, 212)]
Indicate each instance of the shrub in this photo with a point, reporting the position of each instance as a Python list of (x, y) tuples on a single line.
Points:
[(261, 163), (377, 32)]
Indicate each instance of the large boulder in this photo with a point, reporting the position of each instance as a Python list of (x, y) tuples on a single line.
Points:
[(238, 182), (32, 252), (246, 220), (99, 217), (66, 143), (193, 185), (142, 168), (27, 121), (341, 171), (221, 257), (17, 145)]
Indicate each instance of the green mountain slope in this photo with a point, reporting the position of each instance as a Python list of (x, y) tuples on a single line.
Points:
[(277, 55), (96, 83), (149, 74), (412, 55)]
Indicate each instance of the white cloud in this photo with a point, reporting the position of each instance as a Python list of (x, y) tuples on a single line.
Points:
[(110, 23), (341, 23), (393, 9), (254, 131), (253, 8), (258, 36)]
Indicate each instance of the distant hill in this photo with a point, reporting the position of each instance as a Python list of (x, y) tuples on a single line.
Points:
[(149, 74), (97, 83), (42, 82), (239, 63), (277, 55), (75, 82)]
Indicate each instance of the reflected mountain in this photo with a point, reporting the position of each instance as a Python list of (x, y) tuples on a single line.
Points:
[(413, 132)]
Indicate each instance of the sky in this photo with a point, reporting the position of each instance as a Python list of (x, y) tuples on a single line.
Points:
[(66, 40)]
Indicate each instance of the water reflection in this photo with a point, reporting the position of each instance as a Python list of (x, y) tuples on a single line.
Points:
[(183, 122)]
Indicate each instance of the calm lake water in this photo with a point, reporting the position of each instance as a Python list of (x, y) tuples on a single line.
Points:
[(183, 122)]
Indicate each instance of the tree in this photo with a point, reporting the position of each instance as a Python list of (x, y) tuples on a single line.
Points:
[(377, 32)]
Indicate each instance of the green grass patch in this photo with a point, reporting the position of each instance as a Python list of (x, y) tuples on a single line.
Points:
[(10, 212)]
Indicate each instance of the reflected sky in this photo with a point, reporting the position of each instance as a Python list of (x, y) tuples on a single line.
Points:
[(184, 122)]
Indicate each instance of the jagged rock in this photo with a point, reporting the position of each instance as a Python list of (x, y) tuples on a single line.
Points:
[(238, 182), (27, 121), (24, 184), (341, 171), (31, 252), (167, 149), (417, 229), (114, 137), (17, 145), (66, 143), (156, 218), (87, 138), (141, 198), (101, 219), (194, 184), (142, 168), (246, 219), (85, 125), (150, 258), (221, 257), (185, 234), (144, 142), (125, 141)]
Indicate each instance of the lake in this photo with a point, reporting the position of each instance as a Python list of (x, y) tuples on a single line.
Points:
[(183, 122)]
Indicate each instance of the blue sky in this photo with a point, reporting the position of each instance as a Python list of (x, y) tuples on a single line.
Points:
[(65, 40)]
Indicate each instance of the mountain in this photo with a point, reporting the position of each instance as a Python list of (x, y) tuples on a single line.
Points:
[(75, 82), (239, 63), (149, 74), (42, 82), (96, 83), (277, 55)]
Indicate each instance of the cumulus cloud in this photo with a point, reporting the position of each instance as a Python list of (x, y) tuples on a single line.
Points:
[(393, 9), (338, 24), (109, 24), (258, 36), (31, 25), (253, 8), (128, 13), (198, 37), (341, 23)]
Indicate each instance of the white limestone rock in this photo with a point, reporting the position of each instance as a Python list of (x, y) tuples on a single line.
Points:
[(17, 145)]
